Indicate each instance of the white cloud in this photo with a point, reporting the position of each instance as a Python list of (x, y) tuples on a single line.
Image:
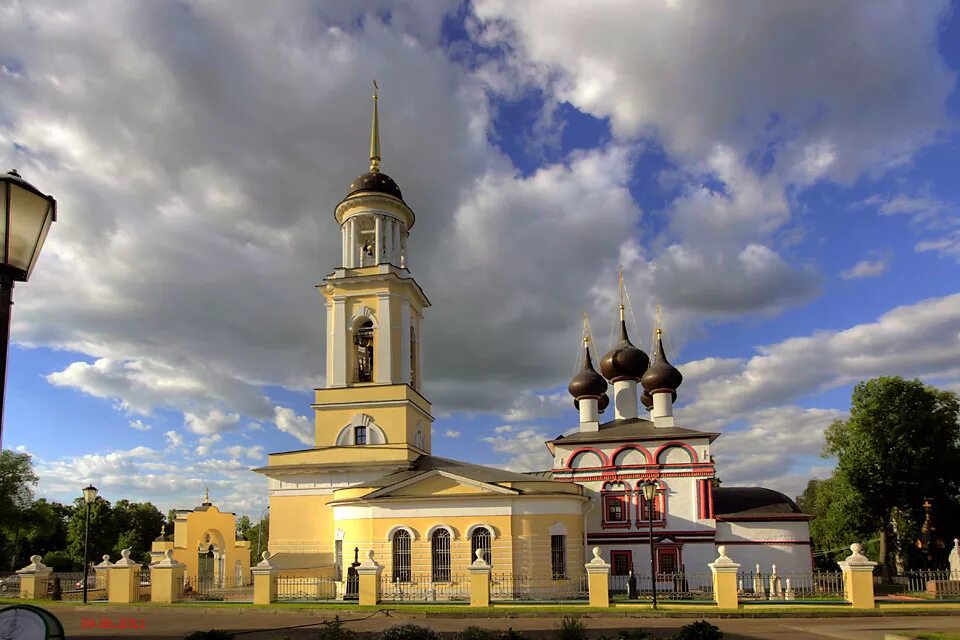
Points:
[(524, 449), (140, 425), (948, 245), (505, 428), (212, 422), (205, 444), (299, 427), (533, 406), (866, 269), (238, 451), (450, 433), (174, 439)]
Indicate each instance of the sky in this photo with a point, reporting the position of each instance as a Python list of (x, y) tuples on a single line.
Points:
[(780, 176)]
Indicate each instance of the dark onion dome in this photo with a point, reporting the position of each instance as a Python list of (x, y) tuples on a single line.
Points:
[(646, 399), (624, 361), (588, 383), (661, 374), (375, 182), (602, 404)]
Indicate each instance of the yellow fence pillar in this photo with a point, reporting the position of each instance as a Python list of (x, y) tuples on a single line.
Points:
[(264, 581), (858, 578), (480, 581), (369, 572), (166, 579), (724, 572), (34, 578), (598, 579), (102, 571), (124, 581)]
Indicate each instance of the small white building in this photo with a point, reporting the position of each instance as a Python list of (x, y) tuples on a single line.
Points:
[(691, 514)]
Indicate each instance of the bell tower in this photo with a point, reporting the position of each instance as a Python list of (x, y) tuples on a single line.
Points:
[(374, 318)]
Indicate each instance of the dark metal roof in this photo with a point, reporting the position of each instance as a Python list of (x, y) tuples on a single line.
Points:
[(378, 182), (624, 361), (728, 501), (425, 464), (633, 429), (587, 382), (661, 374)]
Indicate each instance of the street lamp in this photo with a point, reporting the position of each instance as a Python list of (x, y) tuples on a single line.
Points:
[(25, 218), (89, 495), (649, 489)]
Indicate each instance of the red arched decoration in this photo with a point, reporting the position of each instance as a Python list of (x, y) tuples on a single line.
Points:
[(604, 461), (636, 447), (672, 444)]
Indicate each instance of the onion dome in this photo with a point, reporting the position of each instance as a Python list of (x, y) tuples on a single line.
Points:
[(624, 361), (587, 383), (646, 399), (604, 403), (661, 374)]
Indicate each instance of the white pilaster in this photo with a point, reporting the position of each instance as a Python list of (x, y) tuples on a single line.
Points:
[(344, 251), (395, 255), (404, 310), (378, 239), (589, 414), (384, 355), (352, 245), (331, 324), (625, 399), (337, 344)]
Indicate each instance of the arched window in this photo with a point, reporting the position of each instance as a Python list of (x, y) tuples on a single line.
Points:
[(401, 556), (481, 539), (616, 501), (363, 343), (440, 555)]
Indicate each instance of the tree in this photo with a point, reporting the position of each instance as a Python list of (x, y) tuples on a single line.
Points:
[(103, 535), (16, 493), (901, 444), (136, 524), (252, 533), (838, 518)]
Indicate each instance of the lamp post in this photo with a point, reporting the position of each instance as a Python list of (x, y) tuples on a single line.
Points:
[(89, 495), (649, 489), (25, 218)]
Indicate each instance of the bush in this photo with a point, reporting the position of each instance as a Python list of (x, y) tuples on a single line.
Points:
[(478, 633), (410, 632), (333, 630), (60, 561), (570, 629), (57, 592), (213, 634), (699, 630)]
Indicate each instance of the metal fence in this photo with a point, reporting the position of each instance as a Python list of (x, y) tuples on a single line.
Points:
[(670, 586), (224, 589), (424, 589), (538, 587), (71, 586), (817, 585), (307, 589), (941, 585)]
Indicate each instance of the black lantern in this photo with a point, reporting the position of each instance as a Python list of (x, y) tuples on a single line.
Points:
[(89, 495), (649, 489)]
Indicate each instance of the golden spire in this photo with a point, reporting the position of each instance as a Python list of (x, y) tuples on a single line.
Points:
[(586, 329), (621, 292), (375, 133), (206, 494)]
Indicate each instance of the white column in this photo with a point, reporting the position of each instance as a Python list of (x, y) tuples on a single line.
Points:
[(404, 340), (384, 354), (330, 328), (404, 261), (338, 338), (395, 256), (589, 414), (625, 399), (352, 243), (378, 239), (662, 413), (343, 244)]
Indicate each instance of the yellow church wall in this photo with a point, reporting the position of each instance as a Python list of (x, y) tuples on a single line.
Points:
[(342, 455), (531, 543), (302, 524), (439, 486), (201, 528), (397, 409)]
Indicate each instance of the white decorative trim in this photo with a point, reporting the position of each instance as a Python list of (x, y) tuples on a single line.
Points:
[(384, 361), (363, 313), (450, 530), (393, 530), (493, 531)]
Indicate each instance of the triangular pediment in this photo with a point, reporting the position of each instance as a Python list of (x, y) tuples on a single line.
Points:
[(440, 483)]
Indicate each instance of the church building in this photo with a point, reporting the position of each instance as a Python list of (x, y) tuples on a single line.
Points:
[(371, 482)]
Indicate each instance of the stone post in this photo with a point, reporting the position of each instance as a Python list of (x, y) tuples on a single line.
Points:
[(264, 580), (598, 580), (369, 572), (123, 585), (102, 571), (34, 578), (166, 579), (480, 581), (724, 572), (858, 578), (955, 560)]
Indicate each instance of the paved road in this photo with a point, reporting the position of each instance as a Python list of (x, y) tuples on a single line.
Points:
[(175, 623)]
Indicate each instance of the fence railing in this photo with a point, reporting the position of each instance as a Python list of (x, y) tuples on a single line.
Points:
[(817, 585), (938, 584), (527, 586), (225, 589), (424, 589), (307, 589), (71, 586), (670, 586)]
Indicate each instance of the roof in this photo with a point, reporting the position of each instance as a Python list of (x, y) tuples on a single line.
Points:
[(378, 182), (633, 429), (468, 470), (752, 501)]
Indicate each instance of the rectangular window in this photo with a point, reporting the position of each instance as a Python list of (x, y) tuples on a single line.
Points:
[(644, 509), (359, 435), (667, 561), (621, 562), (615, 509), (558, 557)]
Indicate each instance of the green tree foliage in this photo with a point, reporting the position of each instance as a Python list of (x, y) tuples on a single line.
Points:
[(901, 444), (17, 480), (839, 519), (252, 533), (137, 525)]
